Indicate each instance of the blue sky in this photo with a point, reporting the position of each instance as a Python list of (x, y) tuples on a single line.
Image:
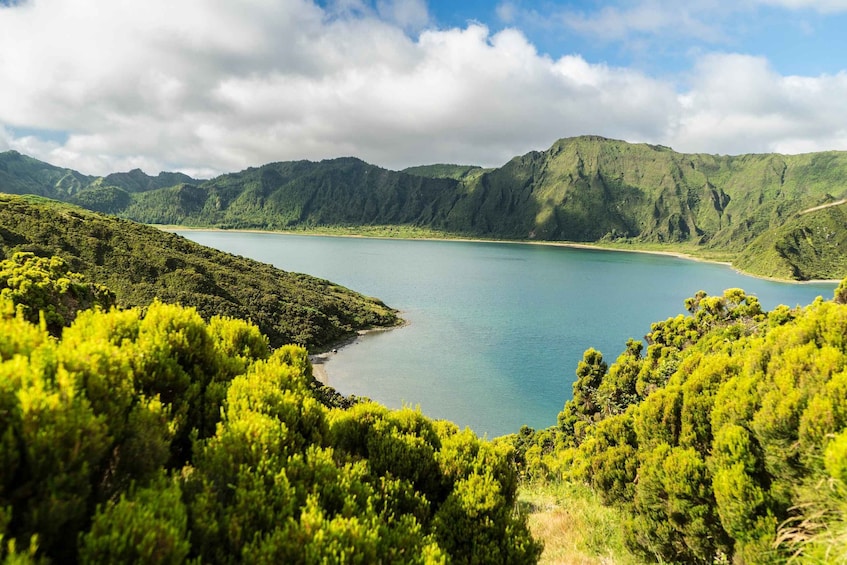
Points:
[(208, 87), (796, 37)]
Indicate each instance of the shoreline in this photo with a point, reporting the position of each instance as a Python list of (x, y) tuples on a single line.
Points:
[(573, 245), (318, 360)]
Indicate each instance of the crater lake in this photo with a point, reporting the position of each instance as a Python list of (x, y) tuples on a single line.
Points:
[(495, 330)]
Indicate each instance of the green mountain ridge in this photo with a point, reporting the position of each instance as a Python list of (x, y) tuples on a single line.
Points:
[(585, 189)]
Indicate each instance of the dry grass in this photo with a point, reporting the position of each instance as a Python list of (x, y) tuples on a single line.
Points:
[(575, 527)]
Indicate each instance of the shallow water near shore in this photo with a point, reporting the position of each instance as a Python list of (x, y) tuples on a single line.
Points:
[(495, 330)]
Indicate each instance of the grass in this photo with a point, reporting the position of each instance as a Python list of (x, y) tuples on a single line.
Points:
[(382, 231), (574, 526)]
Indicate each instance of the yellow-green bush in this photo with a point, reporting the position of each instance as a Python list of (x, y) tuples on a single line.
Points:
[(153, 436)]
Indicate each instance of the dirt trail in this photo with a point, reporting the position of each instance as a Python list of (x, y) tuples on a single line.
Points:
[(822, 206)]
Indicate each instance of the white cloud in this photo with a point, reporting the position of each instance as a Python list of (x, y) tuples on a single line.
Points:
[(202, 85), (408, 14), (738, 104), (825, 6), (648, 17), (208, 86)]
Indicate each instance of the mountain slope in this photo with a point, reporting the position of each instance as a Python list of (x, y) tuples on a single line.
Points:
[(20, 174), (343, 191), (589, 188), (581, 189), (807, 246), (140, 263)]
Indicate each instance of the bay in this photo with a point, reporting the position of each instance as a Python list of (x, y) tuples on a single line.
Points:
[(495, 329)]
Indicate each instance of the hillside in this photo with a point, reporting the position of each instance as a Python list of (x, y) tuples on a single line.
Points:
[(807, 246), (140, 263), (444, 171), (585, 189), (343, 191), (724, 442)]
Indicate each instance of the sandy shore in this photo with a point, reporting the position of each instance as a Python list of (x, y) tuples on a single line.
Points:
[(319, 360), (318, 369)]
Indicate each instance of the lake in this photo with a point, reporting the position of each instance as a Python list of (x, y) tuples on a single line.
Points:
[(495, 329)]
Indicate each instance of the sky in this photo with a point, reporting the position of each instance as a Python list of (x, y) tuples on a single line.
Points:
[(213, 86)]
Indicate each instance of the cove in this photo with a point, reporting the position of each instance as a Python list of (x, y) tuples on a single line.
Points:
[(495, 329)]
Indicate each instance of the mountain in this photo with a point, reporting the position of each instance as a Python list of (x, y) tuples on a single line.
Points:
[(444, 171), (20, 174), (583, 189), (140, 263), (807, 246), (344, 191)]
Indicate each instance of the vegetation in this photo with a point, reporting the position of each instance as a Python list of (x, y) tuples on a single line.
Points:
[(284, 195), (724, 440), (442, 171), (140, 263), (746, 208), (157, 432), (809, 246), (150, 435), (574, 525)]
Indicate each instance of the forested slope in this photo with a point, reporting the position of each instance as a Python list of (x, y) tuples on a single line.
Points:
[(139, 263), (807, 246)]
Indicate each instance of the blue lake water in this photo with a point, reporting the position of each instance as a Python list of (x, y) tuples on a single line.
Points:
[(495, 329)]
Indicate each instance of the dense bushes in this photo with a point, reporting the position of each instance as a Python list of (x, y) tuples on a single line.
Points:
[(729, 445), (157, 437)]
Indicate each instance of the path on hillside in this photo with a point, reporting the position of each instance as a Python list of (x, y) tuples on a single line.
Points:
[(822, 206)]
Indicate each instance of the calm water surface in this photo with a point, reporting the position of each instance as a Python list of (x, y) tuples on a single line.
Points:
[(496, 329)]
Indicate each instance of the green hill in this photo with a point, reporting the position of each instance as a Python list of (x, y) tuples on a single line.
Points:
[(445, 171), (584, 189), (807, 246), (140, 263), (20, 174), (591, 189)]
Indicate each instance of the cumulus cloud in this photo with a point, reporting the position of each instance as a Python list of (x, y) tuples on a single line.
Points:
[(205, 86), (208, 86), (739, 104)]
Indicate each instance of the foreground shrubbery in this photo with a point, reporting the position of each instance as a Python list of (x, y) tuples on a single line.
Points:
[(157, 437), (152, 435), (726, 439)]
